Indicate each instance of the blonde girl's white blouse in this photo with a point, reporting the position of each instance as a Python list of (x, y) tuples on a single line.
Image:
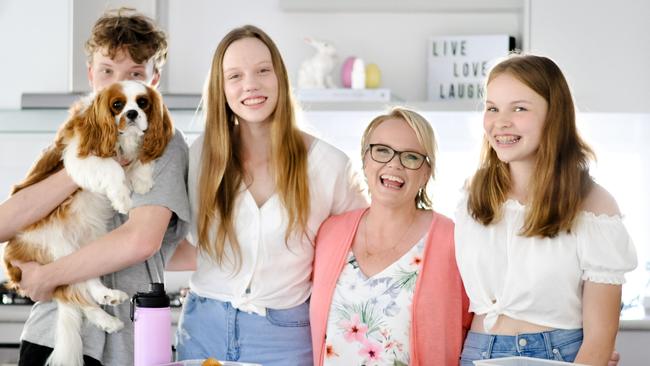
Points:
[(538, 280), (275, 273)]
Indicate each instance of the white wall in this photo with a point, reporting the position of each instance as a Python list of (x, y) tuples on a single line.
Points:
[(602, 46), (34, 41), (84, 14), (396, 42)]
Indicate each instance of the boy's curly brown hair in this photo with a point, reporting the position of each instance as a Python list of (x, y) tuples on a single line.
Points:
[(125, 28)]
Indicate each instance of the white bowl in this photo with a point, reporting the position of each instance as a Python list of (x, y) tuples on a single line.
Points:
[(199, 362), (521, 361)]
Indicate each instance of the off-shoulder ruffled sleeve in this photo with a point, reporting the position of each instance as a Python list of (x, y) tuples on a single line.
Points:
[(605, 248)]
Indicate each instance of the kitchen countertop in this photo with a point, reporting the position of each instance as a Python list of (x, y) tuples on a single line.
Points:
[(49, 120), (19, 313)]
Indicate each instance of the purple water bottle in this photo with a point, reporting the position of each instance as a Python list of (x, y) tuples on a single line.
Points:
[(152, 321)]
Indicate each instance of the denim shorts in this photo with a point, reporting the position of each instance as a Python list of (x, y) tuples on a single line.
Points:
[(559, 345), (212, 328)]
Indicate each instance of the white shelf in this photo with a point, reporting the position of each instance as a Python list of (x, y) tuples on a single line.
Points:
[(422, 106), (405, 6)]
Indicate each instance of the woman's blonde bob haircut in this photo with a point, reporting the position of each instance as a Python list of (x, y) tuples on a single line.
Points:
[(221, 167), (425, 135), (561, 179)]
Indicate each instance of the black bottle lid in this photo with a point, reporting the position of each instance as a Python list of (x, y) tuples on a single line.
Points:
[(155, 298)]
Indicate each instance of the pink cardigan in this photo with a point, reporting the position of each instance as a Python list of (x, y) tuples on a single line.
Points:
[(439, 319)]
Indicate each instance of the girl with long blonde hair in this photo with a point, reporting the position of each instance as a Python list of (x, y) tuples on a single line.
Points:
[(259, 189)]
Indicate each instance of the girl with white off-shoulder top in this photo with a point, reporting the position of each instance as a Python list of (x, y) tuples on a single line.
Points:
[(541, 247)]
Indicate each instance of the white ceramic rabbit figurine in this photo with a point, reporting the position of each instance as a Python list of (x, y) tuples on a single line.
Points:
[(315, 71)]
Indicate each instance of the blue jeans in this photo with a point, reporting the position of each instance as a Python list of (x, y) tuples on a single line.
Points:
[(211, 328), (559, 345)]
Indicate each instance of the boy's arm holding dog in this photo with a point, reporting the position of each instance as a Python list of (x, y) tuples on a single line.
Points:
[(134, 242), (33, 203)]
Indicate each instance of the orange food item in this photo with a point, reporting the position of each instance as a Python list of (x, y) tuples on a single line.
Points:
[(211, 362)]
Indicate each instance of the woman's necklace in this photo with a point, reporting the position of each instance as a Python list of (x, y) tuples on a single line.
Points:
[(397, 243)]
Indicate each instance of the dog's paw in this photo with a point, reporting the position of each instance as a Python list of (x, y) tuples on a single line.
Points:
[(122, 206), (141, 185), (120, 200), (111, 297), (141, 177), (110, 324), (102, 320)]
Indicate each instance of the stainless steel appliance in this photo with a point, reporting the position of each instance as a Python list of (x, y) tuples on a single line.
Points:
[(14, 310)]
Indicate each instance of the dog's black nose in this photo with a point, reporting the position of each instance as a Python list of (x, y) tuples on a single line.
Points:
[(132, 114)]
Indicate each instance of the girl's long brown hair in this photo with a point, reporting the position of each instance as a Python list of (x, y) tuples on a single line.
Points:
[(222, 171), (561, 177)]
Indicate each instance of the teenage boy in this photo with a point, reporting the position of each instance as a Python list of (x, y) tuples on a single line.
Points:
[(124, 45)]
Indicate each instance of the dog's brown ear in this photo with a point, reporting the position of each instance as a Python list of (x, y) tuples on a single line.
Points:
[(97, 128), (159, 131)]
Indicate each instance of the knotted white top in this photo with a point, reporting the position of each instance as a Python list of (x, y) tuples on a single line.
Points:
[(275, 273), (538, 280)]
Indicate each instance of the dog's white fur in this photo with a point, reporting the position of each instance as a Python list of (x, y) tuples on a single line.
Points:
[(83, 217)]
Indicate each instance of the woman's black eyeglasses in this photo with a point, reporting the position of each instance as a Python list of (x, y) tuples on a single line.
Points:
[(409, 159)]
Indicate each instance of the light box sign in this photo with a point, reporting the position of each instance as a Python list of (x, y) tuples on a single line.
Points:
[(457, 65)]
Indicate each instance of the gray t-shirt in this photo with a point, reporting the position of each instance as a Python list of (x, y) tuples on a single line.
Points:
[(169, 190)]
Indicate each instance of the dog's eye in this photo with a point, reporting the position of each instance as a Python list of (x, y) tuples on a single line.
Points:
[(142, 102), (118, 105)]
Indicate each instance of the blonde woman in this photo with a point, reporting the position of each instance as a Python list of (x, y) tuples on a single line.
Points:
[(259, 189), (386, 287)]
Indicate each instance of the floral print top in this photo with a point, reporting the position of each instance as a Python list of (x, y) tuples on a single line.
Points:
[(370, 317)]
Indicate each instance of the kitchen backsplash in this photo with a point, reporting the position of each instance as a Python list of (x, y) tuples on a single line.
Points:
[(620, 142)]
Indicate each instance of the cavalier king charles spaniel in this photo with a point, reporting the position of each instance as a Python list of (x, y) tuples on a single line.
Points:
[(108, 147)]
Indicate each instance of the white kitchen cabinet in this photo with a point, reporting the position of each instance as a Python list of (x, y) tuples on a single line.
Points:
[(632, 344), (18, 152)]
